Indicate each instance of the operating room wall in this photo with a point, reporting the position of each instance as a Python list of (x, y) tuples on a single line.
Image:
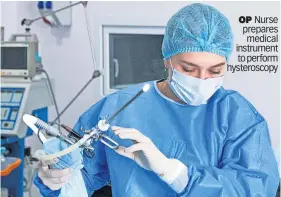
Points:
[(66, 54)]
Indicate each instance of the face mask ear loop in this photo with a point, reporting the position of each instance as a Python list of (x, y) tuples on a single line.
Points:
[(171, 64), (170, 77)]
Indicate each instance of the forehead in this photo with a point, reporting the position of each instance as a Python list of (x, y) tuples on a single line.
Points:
[(200, 58)]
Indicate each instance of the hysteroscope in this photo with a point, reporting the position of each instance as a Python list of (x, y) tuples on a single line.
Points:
[(85, 141)]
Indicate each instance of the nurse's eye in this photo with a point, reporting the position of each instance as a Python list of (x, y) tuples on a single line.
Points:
[(215, 72), (187, 69)]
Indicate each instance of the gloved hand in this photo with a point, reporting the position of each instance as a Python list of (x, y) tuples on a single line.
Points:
[(53, 178), (62, 168), (147, 155)]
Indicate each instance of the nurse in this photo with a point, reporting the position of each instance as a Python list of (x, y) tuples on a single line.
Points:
[(187, 136)]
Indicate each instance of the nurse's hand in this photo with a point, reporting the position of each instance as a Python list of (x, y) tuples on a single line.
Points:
[(143, 152), (147, 155), (53, 178)]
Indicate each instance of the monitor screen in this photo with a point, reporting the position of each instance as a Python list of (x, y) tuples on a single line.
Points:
[(14, 57)]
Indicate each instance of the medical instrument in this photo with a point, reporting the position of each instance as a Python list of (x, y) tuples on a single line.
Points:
[(96, 133), (144, 89), (23, 90), (71, 131), (32, 122), (75, 136), (20, 97), (18, 55)]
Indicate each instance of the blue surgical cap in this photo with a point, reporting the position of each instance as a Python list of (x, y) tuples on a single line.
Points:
[(197, 28)]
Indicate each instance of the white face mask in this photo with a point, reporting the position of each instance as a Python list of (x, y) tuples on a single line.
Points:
[(192, 90)]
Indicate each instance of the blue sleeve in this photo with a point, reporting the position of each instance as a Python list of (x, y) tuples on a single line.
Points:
[(247, 167), (95, 172)]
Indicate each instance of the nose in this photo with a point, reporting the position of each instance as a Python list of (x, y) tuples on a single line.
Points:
[(202, 75)]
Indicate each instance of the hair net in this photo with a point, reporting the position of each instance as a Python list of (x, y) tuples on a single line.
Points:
[(198, 28)]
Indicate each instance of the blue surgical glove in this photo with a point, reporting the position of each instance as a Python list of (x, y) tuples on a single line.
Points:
[(65, 171), (72, 160)]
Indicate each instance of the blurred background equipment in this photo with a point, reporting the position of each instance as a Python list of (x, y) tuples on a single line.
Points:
[(23, 90)]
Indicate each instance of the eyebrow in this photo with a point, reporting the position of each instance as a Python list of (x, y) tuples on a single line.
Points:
[(192, 64)]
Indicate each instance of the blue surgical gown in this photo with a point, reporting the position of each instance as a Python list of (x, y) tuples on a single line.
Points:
[(225, 144)]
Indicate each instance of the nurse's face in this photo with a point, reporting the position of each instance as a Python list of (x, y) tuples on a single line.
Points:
[(202, 65)]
